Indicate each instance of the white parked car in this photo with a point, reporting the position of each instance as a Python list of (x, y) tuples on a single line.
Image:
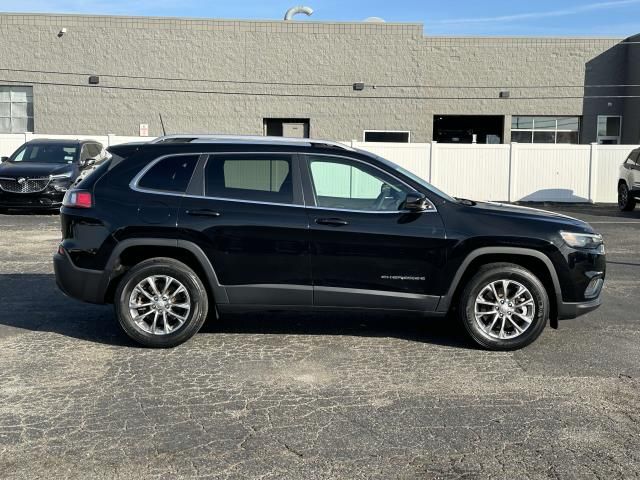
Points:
[(629, 182)]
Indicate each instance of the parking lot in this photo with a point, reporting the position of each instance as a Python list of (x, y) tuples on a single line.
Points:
[(313, 395)]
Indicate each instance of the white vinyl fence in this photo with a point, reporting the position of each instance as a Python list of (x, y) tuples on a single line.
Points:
[(515, 172)]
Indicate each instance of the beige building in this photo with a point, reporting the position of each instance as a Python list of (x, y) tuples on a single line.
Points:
[(84, 74)]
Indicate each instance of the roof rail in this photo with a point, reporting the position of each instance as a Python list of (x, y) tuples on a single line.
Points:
[(202, 138)]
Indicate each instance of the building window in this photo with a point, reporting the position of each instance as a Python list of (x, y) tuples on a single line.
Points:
[(486, 129), (545, 129), (286, 127), (609, 129), (395, 136), (16, 109)]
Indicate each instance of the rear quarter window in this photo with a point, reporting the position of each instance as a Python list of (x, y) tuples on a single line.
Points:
[(171, 174)]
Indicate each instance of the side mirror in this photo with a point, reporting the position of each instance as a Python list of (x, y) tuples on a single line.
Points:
[(415, 202), (87, 163), (4, 159)]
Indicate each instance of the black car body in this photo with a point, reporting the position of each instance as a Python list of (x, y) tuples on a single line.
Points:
[(286, 224), (37, 175)]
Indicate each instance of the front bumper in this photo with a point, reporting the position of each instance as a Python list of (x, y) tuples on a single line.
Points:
[(568, 310), (79, 283), (31, 201)]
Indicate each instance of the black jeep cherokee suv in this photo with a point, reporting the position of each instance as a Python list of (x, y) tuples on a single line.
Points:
[(173, 230)]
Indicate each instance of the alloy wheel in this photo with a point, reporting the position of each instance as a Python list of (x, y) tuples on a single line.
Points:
[(504, 309), (159, 305)]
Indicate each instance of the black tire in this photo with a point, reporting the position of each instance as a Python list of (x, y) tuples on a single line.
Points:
[(197, 296), (514, 273), (626, 202)]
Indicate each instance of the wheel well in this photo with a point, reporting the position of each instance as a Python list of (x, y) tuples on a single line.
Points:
[(533, 264), (133, 255)]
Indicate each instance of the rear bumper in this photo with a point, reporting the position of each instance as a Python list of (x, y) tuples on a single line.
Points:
[(79, 283), (568, 310)]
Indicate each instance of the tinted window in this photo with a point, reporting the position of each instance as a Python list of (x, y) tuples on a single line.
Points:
[(545, 129), (46, 153), (340, 183), (390, 136), (634, 156), (521, 137), (171, 174), (263, 178)]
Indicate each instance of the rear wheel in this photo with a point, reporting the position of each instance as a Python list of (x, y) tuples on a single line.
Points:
[(161, 303), (626, 202), (504, 307)]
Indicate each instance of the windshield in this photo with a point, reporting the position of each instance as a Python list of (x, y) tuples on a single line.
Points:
[(46, 153), (412, 176)]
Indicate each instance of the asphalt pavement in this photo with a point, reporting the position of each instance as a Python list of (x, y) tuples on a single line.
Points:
[(313, 396)]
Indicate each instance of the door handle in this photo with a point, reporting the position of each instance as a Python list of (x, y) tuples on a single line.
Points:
[(332, 222), (203, 212)]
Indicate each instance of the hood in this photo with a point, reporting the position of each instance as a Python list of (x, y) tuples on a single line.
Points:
[(27, 169), (517, 211)]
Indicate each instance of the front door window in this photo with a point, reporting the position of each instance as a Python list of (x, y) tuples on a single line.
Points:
[(348, 185)]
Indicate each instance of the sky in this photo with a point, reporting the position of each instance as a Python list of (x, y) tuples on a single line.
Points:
[(616, 18)]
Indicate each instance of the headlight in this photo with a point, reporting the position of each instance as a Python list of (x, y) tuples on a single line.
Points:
[(582, 240), (61, 175)]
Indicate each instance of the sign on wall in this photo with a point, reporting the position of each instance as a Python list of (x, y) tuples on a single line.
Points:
[(144, 129)]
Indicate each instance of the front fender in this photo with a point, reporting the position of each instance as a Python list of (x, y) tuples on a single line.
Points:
[(445, 301)]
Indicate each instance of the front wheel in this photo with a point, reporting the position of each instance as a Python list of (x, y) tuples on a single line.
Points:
[(504, 307), (626, 202), (161, 303)]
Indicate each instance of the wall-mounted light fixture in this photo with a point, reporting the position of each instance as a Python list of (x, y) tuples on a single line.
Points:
[(358, 86), (62, 32), (94, 80), (505, 94)]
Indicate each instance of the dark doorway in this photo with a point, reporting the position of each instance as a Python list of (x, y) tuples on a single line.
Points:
[(286, 127), (462, 128)]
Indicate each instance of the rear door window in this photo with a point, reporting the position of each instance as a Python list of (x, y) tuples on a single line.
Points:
[(253, 177), (171, 174)]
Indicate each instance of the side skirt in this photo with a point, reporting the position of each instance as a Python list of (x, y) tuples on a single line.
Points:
[(269, 295)]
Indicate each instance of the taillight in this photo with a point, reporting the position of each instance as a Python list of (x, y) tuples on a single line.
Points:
[(78, 199)]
